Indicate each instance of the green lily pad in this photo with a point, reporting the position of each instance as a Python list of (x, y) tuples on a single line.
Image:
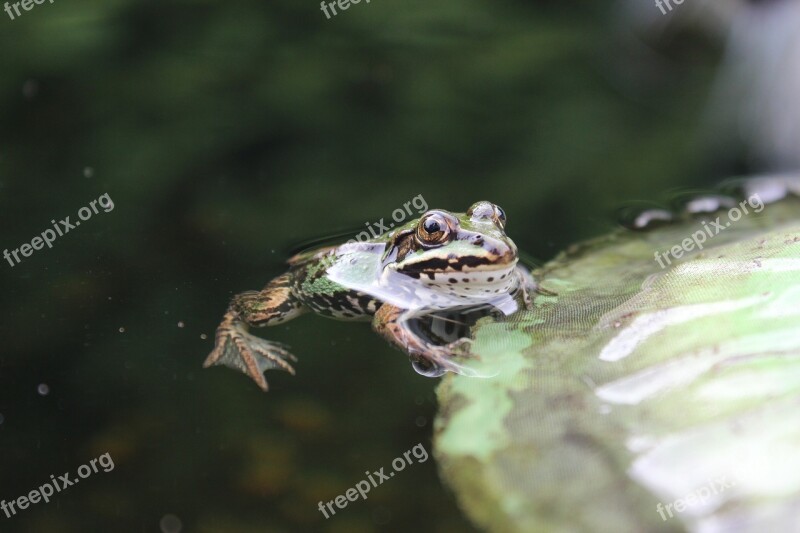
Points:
[(640, 398)]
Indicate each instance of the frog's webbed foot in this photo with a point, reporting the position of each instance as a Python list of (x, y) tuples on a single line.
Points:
[(428, 359), (437, 360), (234, 347), (238, 349)]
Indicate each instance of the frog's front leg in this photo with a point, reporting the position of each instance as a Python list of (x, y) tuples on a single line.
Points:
[(238, 349), (394, 324), (528, 286)]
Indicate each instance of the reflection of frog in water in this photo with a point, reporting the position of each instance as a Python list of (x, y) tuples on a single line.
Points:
[(442, 261)]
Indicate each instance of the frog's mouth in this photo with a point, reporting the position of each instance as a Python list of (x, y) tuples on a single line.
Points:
[(440, 266)]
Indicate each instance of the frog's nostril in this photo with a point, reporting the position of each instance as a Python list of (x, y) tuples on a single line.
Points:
[(477, 240)]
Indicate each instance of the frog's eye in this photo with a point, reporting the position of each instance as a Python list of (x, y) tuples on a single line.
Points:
[(433, 229), (484, 211), (501, 215)]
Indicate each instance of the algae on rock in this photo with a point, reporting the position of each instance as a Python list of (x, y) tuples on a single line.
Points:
[(637, 386)]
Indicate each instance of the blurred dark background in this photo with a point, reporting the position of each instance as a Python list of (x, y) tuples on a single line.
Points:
[(228, 132)]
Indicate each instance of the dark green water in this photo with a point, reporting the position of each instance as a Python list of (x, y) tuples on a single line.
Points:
[(227, 132)]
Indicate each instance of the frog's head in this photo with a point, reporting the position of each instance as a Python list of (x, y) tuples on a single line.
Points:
[(454, 248)]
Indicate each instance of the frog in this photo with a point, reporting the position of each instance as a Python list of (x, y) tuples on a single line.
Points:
[(433, 269)]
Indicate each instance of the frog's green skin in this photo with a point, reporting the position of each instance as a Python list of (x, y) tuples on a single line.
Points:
[(440, 262)]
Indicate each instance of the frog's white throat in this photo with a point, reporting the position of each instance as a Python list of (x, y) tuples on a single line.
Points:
[(476, 285)]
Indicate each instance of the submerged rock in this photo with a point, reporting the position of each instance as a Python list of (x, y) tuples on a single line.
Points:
[(640, 398)]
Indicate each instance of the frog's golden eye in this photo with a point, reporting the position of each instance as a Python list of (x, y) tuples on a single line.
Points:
[(433, 229)]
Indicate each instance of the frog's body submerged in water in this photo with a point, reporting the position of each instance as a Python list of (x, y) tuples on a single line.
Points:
[(441, 262)]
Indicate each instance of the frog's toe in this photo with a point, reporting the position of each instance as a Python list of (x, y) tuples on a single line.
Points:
[(270, 355), (544, 292), (461, 347), (249, 354), (442, 359)]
